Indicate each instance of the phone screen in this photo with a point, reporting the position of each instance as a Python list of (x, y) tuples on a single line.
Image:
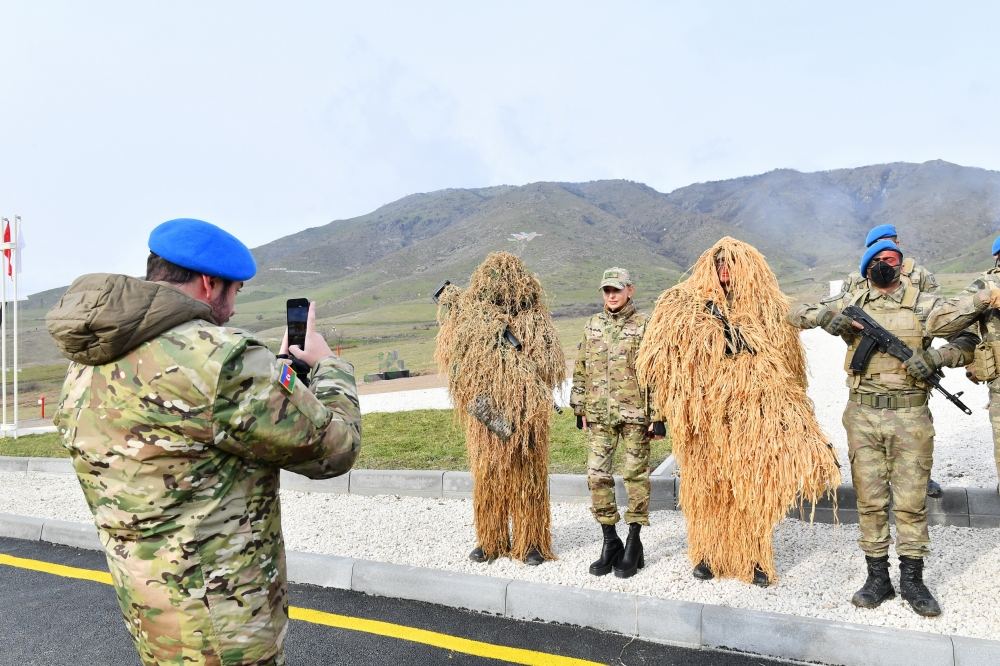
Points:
[(296, 312)]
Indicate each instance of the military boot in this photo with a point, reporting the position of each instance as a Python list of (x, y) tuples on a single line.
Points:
[(760, 578), (934, 489), (633, 559), (877, 587), (912, 588), (611, 552), (703, 571), (534, 557)]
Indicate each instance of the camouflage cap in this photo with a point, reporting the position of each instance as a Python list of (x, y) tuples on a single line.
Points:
[(618, 278)]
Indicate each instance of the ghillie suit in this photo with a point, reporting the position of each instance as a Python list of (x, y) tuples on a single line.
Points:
[(730, 382), (510, 387)]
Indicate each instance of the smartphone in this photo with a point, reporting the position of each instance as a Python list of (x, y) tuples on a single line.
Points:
[(296, 313)]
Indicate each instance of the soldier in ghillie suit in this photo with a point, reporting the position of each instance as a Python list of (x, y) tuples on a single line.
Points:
[(611, 406), (890, 434), (910, 272), (178, 428), (977, 306), (502, 355), (730, 383)]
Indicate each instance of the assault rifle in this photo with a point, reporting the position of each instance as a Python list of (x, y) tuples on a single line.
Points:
[(876, 338), (483, 410), (735, 342)]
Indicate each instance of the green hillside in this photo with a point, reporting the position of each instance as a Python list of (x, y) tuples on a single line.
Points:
[(372, 275)]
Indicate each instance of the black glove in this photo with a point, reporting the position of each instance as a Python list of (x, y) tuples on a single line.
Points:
[(923, 363), (579, 421), (658, 429), (836, 323), (300, 367)]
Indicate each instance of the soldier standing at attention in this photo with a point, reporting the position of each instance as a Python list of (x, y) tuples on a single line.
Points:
[(890, 434), (977, 305), (909, 272), (178, 427), (610, 405)]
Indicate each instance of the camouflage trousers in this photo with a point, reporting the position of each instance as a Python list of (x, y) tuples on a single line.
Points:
[(995, 421), (603, 442), (891, 452)]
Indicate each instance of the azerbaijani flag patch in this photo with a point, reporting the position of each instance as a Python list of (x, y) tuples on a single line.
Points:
[(286, 379)]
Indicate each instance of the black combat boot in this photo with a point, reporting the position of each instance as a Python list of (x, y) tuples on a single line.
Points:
[(934, 489), (534, 557), (703, 571), (633, 559), (912, 588), (611, 552), (477, 555), (877, 587), (760, 578)]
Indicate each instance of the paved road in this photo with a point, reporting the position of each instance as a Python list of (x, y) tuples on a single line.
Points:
[(56, 620)]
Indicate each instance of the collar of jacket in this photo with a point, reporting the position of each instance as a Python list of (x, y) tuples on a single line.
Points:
[(103, 316), (623, 313)]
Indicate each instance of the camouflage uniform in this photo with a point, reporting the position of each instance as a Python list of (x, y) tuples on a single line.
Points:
[(890, 432), (970, 308), (910, 271), (607, 393), (178, 429)]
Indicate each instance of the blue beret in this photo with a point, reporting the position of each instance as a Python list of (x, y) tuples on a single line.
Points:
[(996, 245), (880, 232), (875, 249), (204, 248)]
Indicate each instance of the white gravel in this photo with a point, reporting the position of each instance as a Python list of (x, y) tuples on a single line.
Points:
[(820, 565)]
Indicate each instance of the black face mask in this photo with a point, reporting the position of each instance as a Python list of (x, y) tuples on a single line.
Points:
[(882, 274)]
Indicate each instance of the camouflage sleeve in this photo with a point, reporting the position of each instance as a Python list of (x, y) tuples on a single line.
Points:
[(579, 390), (807, 315), (960, 349), (928, 283), (315, 431), (950, 316)]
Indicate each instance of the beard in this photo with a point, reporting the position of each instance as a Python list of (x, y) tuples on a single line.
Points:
[(221, 312)]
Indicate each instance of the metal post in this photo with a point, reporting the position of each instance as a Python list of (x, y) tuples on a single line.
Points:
[(3, 330), (15, 263)]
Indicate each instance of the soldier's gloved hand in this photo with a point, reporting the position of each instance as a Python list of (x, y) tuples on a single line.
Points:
[(579, 422), (923, 363), (836, 323), (989, 297), (658, 429)]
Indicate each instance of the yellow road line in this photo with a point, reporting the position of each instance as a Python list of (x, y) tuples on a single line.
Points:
[(56, 569), (388, 629), (435, 639)]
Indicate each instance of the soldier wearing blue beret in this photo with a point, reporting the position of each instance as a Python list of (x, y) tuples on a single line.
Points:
[(910, 272), (178, 428)]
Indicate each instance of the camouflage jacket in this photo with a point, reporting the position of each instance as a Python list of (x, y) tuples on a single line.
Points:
[(911, 271), (905, 313), (178, 429), (605, 387), (971, 308)]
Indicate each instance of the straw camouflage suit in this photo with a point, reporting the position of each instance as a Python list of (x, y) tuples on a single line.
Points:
[(732, 387), (486, 373)]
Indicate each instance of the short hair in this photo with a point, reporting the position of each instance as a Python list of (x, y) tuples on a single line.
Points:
[(159, 269)]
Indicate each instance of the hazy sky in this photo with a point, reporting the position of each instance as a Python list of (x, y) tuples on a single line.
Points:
[(267, 118)]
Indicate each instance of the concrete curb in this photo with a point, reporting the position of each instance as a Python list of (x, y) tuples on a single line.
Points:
[(660, 620), (962, 507)]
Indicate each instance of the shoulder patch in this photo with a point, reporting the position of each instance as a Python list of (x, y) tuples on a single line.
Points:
[(286, 378)]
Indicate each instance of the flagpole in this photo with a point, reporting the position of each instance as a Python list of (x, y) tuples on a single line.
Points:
[(3, 334), (16, 268)]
